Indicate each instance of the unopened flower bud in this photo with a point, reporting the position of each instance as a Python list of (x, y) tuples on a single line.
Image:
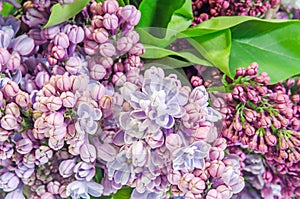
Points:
[(13, 62), (66, 167), (225, 191), (105, 102), (76, 34), (24, 45), (54, 103), (252, 69), (9, 122), (197, 185), (174, 176), (90, 47), (53, 187), (62, 40), (213, 194), (216, 168), (106, 152), (10, 89), (110, 6), (100, 35), (173, 142), (58, 52), (124, 44), (107, 50), (110, 21), (84, 171), (97, 72), (119, 79), (42, 78), (216, 153)]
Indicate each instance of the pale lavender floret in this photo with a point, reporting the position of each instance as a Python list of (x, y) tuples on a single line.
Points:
[(9, 181), (66, 167), (121, 169), (5, 37), (23, 45), (133, 127), (159, 102), (87, 119), (147, 195), (231, 177), (83, 189), (24, 171), (84, 171), (138, 153), (16, 194), (191, 157), (34, 17)]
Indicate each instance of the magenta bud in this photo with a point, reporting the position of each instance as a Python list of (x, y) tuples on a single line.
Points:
[(252, 69), (68, 99), (271, 139), (216, 168), (110, 6), (100, 35), (119, 67), (90, 47), (54, 103), (197, 185), (4, 134), (124, 44), (14, 62), (76, 34), (173, 142), (220, 143), (66, 168), (97, 72), (107, 50), (62, 40), (216, 153), (10, 89), (240, 71), (42, 78), (52, 61), (267, 176), (9, 122), (24, 146), (119, 79), (249, 130), (250, 115), (110, 21), (24, 45)]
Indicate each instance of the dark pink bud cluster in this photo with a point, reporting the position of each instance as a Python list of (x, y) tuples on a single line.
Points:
[(263, 117), (206, 9)]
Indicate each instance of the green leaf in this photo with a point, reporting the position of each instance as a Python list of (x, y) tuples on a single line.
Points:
[(6, 9), (274, 46), (174, 17), (220, 23), (153, 52), (166, 62), (61, 13), (121, 2), (123, 193), (215, 47)]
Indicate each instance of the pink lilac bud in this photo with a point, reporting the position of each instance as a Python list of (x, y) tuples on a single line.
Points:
[(66, 167), (250, 115), (97, 21), (130, 14), (137, 49), (43, 154), (107, 50), (173, 142), (225, 191), (216, 153), (10, 89), (88, 31), (216, 168), (13, 62), (54, 103), (106, 152), (47, 195), (220, 143), (84, 171), (68, 99), (58, 52), (51, 32), (24, 146), (110, 21), (174, 176), (183, 183), (155, 140), (271, 139), (197, 185), (119, 79), (12, 109), (98, 91), (90, 47), (252, 69), (9, 122), (238, 93), (88, 153), (4, 56), (42, 78), (73, 65), (134, 36), (53, 187), (267, 176), (97, 72), (52, 61), (24, 45), (100, 35), (124, 44), (76, 34), (61, 40), (4, 134), (213, 194), (110, 6), (96, 8), (64, 83)]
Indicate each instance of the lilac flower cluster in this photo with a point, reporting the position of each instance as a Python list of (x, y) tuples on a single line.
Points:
[(206, 9)]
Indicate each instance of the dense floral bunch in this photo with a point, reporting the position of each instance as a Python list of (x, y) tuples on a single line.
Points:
[(264, 119), (206, 9)]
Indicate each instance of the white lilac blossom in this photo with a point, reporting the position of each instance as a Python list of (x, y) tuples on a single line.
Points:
[(191, 157), (159, 102), (83, 189), (87, 119)]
